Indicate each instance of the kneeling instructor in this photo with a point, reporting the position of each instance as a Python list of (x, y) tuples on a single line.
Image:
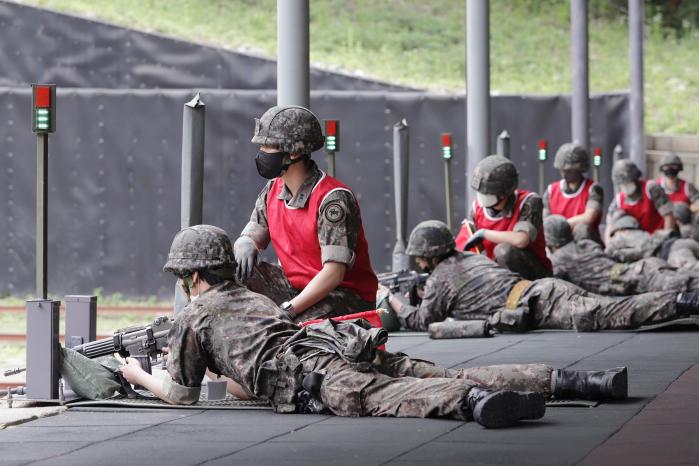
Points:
[(312, 220)]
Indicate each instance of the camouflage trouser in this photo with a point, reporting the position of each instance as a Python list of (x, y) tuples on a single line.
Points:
[(403, 387), (683, 254), (269, 280), (521, 261), (652, 274), (557, 304)]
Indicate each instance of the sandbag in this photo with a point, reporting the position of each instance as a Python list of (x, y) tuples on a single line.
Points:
[(89, 378)]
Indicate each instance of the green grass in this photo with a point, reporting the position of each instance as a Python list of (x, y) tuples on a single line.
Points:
[(114, 299), (421, 43)]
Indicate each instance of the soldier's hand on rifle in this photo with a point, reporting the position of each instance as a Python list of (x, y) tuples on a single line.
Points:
[(246, 255), (476, 239), (165, 351), (132, 370)]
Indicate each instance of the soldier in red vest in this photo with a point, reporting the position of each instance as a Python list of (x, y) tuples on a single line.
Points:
[(677, 190), (575, 197), (642, 199), (508, 220), (311, 219)]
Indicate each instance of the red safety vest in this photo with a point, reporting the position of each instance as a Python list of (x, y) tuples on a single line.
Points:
[(294, 235), (642, 210), (483, 220), (676, 196), (570, 205)]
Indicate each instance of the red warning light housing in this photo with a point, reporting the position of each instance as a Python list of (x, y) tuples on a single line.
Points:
[(543, 144), (331, 127), (446, 139), (43, 108), (42, 96), (598, 151)]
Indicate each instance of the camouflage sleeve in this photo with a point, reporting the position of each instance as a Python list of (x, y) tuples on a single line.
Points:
[(433, 308), (660, 200), (531, 217), (692, 192), (596, 199), (339, 222), (257, 228), (559, 266), (546, 199), (186, 364), (612, 211)]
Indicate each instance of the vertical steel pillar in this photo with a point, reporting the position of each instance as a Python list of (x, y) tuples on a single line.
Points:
[(401, 157), (293, 63), (637, 152), (192, 184), (192, 201), (477, 87), (42, 201), (580, 112), (503, 147), (42, 349), (81, 319)]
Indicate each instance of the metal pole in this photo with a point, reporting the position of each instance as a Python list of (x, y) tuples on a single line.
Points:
[(542, 182), (193, 119), (478, 87), (401, 156), (449, 186), (331, 163), (503, 148), (580, 116), (637, 150), (293, 65), (42, 200)]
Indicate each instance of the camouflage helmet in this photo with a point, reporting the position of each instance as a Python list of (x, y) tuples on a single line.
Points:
[(572, 156), (625, 171), (671, 159), (495, 175), (201, 247), (682, 213), (289, 128), (625, 222), (557, 231), (431, 238)]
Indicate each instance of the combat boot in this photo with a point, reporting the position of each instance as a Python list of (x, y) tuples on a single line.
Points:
[(502, 408), (687, 303), (611, 384)]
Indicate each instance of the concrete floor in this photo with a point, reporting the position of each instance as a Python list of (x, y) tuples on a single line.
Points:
[(564, 436)]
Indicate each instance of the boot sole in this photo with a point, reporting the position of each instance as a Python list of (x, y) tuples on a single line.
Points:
[(618, 385), (505, 408)]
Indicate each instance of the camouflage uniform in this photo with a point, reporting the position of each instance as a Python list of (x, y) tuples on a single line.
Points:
[(625, 171), (296, 130), (572, 156), (470, 286), (585, 264), (683, 216), (338, 241), (519, 260), (629, 245), (242, 335)]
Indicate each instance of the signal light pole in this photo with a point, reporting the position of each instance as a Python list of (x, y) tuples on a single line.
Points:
[(543, 155), (332, 143), (447, 153), (596, 163)]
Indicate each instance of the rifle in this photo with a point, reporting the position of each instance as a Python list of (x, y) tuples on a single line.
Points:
[(405, 281), (142, 342)]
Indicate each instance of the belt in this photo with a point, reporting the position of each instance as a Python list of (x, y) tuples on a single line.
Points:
[(515, 293)]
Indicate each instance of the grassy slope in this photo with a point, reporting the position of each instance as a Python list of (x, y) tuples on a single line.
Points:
[(422, 43)]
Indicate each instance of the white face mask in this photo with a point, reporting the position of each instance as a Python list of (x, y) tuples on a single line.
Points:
[(629, 189), (487, 200)]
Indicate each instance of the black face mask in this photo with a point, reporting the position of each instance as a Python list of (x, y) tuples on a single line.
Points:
[(670, 172), (272, 165)]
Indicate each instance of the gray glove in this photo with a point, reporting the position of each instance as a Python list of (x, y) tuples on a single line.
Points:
[(246, 254)]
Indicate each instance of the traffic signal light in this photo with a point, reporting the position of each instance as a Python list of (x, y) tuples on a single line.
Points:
[(332, 135), (446, 146), (543, 149), (597, 159), (43, 108)]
